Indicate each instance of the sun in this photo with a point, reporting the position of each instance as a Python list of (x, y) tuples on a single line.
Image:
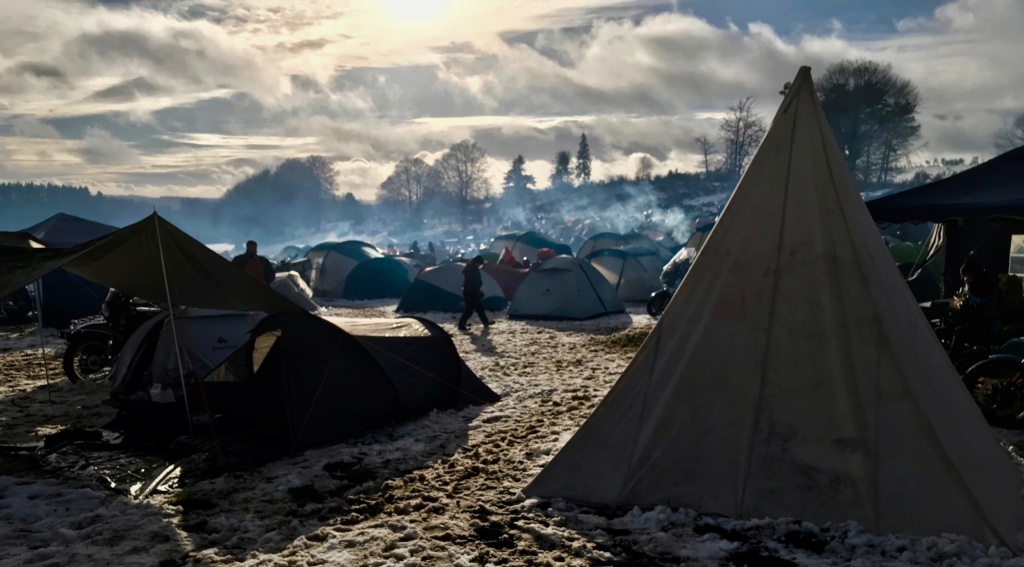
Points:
[(415, 9)]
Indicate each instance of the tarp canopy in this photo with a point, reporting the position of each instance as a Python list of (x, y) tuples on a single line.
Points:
[(793, 374), (992, 189), (22, 239), (130, 260)]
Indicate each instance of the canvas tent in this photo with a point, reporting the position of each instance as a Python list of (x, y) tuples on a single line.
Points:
[(978, 209), (564, 287), (134, 260), (439, 288), (526, 245), (357, 270), (794, 375), (310, 380), (64, 296)]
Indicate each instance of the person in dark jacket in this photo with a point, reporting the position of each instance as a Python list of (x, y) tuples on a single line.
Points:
[(471, 292), (255, 265)]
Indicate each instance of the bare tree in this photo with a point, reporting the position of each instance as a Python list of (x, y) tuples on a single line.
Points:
[(407, 183), (1011, 135), (872, 112), (708, 151), (463, 174), (645, 168), (741, 132)]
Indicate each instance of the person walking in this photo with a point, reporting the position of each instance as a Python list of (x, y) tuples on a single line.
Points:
[(471, 292), (255, 265)]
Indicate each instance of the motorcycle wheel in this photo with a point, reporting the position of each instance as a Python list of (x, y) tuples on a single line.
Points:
[(996, 387), (86, 358), (658, 302)]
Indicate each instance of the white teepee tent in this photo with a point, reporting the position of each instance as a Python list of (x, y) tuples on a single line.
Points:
[(794, 375)]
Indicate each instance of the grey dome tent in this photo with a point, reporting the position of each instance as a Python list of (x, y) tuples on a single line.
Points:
[(526, 244), (564, 287), (605, 240), (634, 273), (793, 374), (357, 270), (439, 288), (312, 380), (205, 339)]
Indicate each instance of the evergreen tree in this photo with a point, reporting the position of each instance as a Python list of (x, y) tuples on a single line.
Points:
[(583, 161), (563, 171), (517, 181)]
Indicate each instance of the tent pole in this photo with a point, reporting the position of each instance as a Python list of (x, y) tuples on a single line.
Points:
[(42, 344), (174, 329)]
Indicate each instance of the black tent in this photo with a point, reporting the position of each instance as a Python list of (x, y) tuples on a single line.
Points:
[(979, 209), (311, 380)]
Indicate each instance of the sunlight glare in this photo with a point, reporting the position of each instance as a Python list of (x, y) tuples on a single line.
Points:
[(415, 9)]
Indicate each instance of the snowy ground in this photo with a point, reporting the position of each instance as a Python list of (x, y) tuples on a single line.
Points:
[(441, 490)]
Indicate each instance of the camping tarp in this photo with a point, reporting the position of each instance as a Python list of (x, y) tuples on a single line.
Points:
[(793, 374), (132, 260)]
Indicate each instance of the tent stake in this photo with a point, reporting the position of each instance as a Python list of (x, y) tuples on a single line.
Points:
[(42, 344), (174, 330)]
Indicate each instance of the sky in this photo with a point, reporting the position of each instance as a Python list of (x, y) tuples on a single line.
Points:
[(187, 97)]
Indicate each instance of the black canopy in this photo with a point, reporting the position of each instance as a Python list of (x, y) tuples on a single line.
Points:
[(994, 189)]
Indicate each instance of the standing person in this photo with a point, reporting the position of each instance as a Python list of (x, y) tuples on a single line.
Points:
[(471, 292), (255, 265)]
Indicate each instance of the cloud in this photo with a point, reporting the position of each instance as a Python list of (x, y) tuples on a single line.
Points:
[(190, 96), (127, 91), (32, 128), (100, 147)]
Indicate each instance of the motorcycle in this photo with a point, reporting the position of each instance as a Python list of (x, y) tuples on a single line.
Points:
[(93, 344), (659, 301), (997, 385)]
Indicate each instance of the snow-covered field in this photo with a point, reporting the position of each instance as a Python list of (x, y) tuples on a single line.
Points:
[(441, 490)]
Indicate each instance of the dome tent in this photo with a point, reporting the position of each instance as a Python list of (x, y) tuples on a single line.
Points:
[(606, 240), (310, 380), (439, 288), (564, 287), (526, 244), (357, 270), (633, 272)]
